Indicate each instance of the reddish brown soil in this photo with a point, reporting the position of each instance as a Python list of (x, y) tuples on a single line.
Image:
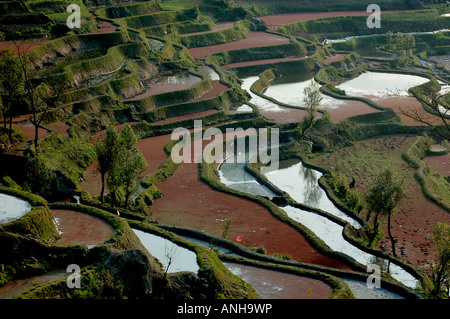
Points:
[(60, 127), (92, 183), (272, 284), (28, 129), (190, 202), (406, 104), (81, 228), (334, 58), (412, 225), (216, 89), (417, 215), (350, 108), (185, 117), (25, 45), (439, 164), (254, 39), (104, 27), (153, 150), (218, 27), (287, 18), (261, 62)]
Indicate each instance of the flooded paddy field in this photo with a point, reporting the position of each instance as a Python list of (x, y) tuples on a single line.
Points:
[(170, 82), (12, 208), (230, 194), (289, 90), (364, 161), (271, 284), (173, 257), (301, 184)]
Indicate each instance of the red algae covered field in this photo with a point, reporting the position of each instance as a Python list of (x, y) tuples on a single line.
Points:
[(80, 228), (187, 201), (253, 40)]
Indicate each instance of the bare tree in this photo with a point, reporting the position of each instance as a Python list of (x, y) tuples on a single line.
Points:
[(40, 95), (438, 121), (171, 254), (440, 269)]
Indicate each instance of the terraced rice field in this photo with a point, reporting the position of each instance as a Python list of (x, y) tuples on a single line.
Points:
[(135, 70)]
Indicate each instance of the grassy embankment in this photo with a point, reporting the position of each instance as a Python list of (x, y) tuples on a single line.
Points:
[(417, 21)]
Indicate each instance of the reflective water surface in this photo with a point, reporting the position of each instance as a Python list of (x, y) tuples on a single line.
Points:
[(12, 208), (381, 84), (175, 257), (289, 90), (301, 183)]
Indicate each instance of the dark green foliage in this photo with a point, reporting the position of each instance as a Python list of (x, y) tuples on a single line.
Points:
[(125, 164), (342, 189), (99, 283), (106, 151), (40, 177), (383, 198), (11, 81)]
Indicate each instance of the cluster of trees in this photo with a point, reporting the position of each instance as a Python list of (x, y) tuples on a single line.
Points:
[(119, 163), (401, 43), (21, 85), (383, 198), (227, 10)]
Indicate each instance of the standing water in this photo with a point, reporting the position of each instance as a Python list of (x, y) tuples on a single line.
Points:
[(12, 208), (301, 183), (289, 90), (294, 177), (173, 257), (263, 104), (381, 85)]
